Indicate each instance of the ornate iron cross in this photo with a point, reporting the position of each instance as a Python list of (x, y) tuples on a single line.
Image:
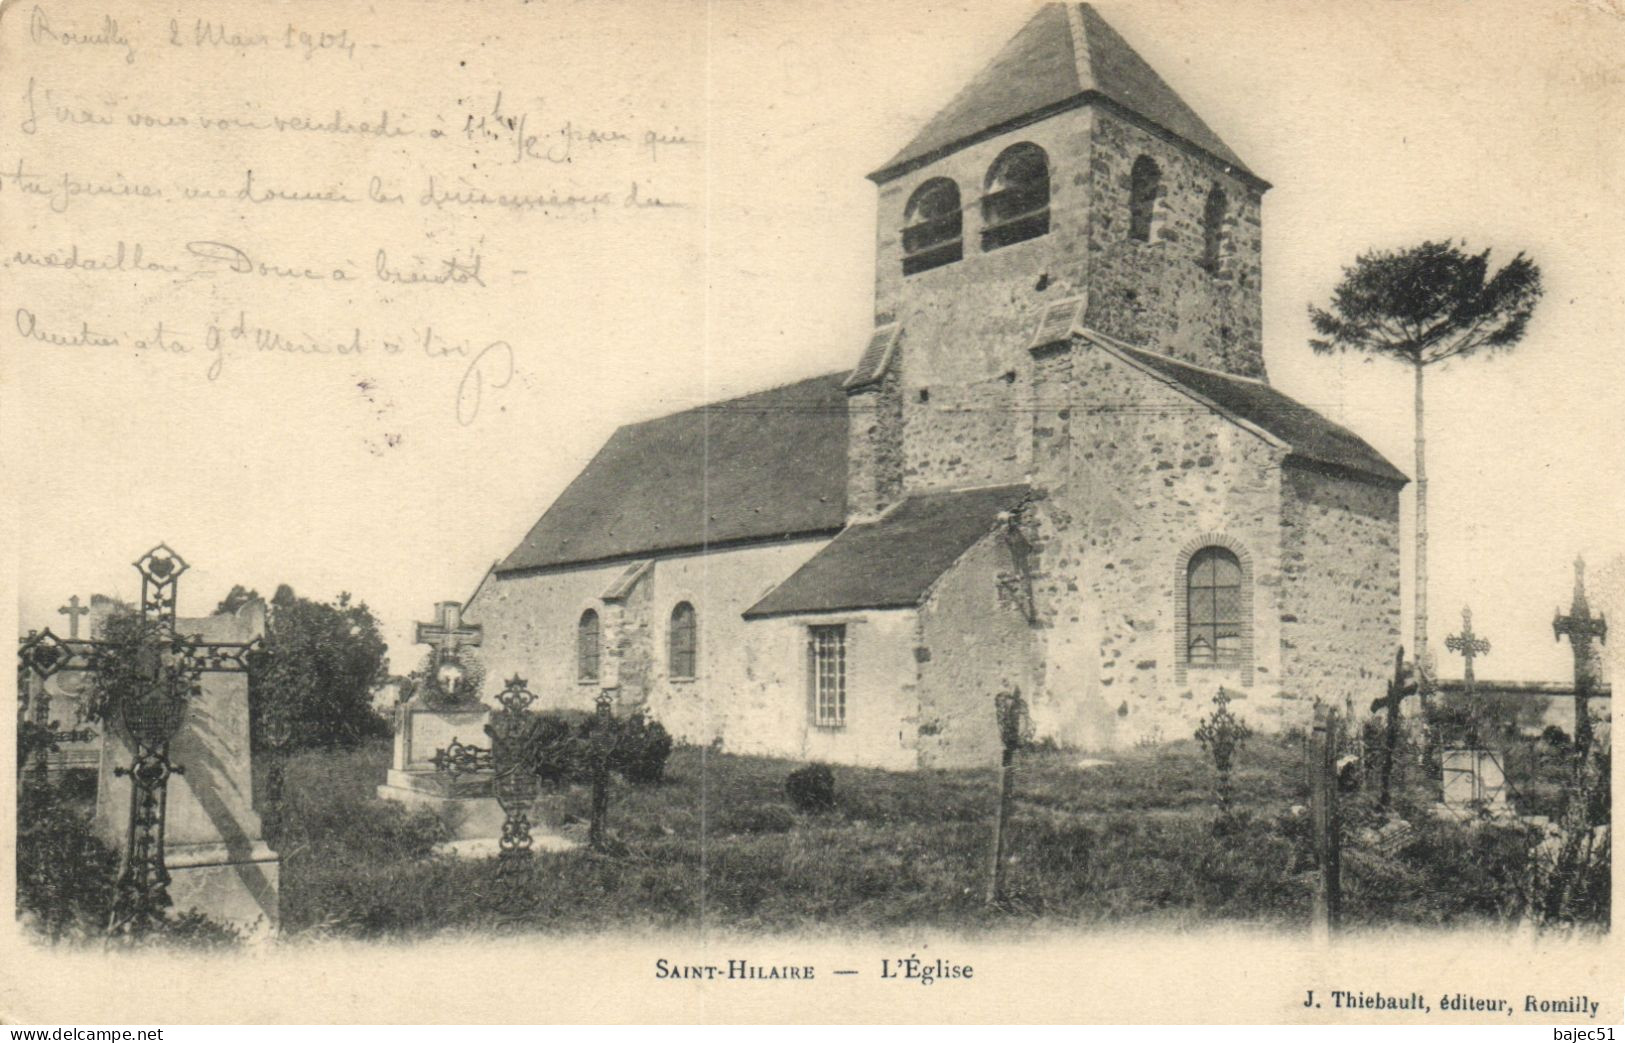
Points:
[(512, 730), (1581, 626), (1469, 644), (166, 674), (448, 634)]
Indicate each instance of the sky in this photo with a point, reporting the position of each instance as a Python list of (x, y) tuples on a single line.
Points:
[(1379, 124)]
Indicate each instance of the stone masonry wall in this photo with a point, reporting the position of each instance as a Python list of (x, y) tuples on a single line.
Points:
[(775, 714), (530, 629), (975, 642), (966, 325), (1157, 293), (1340, 598), (874, 468), (1135, 473)]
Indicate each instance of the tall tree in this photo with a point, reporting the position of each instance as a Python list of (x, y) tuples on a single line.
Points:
[(1423, 306)]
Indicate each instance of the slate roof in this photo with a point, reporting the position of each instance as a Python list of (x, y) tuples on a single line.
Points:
[(1312, 437), (892, 561), (763, 466), (1060, 59)]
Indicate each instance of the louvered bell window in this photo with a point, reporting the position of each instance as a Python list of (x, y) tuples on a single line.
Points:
[(933, 227), (1015, 205)]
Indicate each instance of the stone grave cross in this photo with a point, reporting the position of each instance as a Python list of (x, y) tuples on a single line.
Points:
[(1469, 645), (448, 634), (73, 610), (1581, 626)]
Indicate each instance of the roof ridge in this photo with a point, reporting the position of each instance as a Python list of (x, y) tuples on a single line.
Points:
[(1082, 55), (841, 373), (1196, 365)]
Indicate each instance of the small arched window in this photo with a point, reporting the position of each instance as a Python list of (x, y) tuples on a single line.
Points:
[(1015, 204), (587, 642), (933, 227), (1214, 615), (1213, 215), (682, 639), (1145, 185)]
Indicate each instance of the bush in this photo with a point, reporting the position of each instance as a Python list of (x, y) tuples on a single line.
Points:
[(64, 872), (641, 748), (811, 788), (561, 747)]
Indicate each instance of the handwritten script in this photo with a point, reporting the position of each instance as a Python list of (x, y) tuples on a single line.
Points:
[(313, 193)]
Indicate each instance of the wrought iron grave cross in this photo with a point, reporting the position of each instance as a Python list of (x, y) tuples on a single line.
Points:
[(1581, 626), (1469, 644), (165, 675), (514, 781)]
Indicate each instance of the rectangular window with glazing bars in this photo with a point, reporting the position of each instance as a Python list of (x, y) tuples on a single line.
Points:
[(826, 672)]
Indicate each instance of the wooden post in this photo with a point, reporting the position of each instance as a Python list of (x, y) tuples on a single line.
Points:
[(603, 742), (995, 880), (1327, 824), (1011, 714)]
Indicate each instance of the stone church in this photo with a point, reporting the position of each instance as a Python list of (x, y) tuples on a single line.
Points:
[(1058, 465)]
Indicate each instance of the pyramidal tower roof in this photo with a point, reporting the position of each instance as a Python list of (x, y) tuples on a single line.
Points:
[(1065, 57)]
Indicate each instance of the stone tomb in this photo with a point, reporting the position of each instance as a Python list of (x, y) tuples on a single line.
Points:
[(1473, 776), (213, 844), (465, 803)]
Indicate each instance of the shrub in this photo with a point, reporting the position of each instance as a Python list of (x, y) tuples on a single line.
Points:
[(64, 872), (556, 748), (641, 749), (811, 788), (561, 747)]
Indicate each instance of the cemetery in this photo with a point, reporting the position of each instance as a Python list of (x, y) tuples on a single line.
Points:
[(487, 814)]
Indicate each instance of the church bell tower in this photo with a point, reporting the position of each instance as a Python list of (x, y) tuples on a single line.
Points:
[(1067, 171)]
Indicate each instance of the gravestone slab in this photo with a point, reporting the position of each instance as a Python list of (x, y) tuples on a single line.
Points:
[(1473, 775), (214, 846)]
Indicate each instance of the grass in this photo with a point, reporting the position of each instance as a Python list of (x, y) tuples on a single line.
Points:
[(1133, 840)]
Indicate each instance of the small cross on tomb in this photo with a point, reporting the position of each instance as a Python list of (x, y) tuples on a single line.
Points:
[(73, 611), (1469, 644), (448, 633)]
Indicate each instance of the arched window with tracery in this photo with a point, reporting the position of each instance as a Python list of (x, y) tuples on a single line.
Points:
[(588, 639), (933, 227), (1145, 186), (683, 641), (1213, 597), (1015, 201), (1213, 217)]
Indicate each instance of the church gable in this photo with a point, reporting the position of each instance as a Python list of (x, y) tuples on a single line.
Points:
[(1311, 438)]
